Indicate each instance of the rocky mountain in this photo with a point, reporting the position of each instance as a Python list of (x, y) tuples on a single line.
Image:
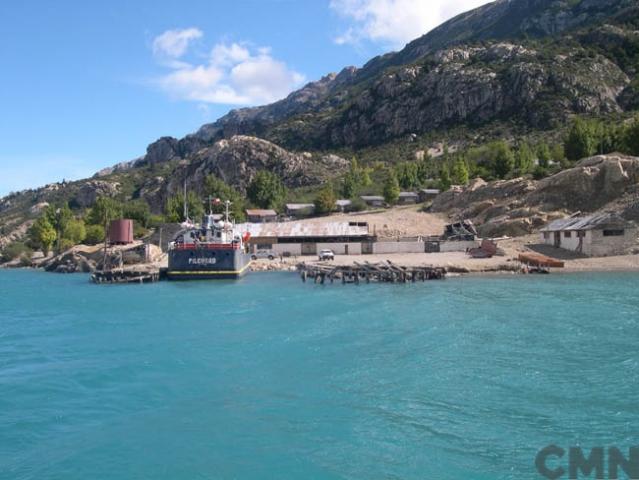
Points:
[(534, 61)]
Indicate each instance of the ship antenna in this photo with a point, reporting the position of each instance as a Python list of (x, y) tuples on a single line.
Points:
[(210, 205), (186, 208), (227, 210)]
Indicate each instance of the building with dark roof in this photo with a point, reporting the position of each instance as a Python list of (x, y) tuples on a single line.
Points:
[(407, 198), (597, 235), (255, 215)]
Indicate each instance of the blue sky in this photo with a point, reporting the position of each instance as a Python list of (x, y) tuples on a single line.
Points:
[(85, 85)]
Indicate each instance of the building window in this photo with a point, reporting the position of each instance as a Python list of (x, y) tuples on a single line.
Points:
[(567, 234), (546, 235), (613, 233), (264, 246)]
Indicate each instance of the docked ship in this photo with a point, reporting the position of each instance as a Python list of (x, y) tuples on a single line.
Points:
[(215, 250)]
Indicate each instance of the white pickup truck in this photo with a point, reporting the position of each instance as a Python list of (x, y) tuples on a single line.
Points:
[(326, 255)]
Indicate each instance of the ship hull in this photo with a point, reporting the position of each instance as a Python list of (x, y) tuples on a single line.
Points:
[(207, 264)]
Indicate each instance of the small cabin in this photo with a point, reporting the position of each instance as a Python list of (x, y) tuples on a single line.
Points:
[(373, 200), (428, 194), (595, 236), (407, 198), (343, 205), (261, 216), (300, 210)]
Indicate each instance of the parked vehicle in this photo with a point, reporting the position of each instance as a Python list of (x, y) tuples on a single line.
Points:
[(326, 255), (270, 254)]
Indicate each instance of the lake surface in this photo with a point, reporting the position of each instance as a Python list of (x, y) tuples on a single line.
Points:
[(269, 378)]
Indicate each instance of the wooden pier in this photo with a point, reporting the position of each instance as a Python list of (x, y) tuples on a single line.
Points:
[(385, 272), (125, 276)]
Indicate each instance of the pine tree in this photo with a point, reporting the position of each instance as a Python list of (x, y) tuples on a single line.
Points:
[(544, 155), (504, 160), (581, 141), (325, 200), (43, 234), (631, 138), (525, 159), (444, 178), (266, 190), (391, 188), (459, 172)]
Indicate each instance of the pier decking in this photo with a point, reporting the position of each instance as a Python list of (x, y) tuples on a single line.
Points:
[(383, 272), (125, 276)]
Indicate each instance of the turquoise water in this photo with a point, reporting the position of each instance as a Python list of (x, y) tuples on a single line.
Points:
[(269, 378)]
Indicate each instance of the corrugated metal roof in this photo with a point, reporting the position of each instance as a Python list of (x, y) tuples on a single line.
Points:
[(299, 206), (255, 212), (408, 194), (591, 222), (430, 191), (372, 198), (343, 202), (303, 229)]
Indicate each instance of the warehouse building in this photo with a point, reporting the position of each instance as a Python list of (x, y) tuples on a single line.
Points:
[(308, 238)]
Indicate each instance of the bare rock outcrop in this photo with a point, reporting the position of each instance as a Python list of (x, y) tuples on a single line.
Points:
[(91, 190), (237, 160), (520, 206)]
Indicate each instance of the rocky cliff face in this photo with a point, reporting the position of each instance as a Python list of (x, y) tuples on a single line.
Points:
[(236, 161)]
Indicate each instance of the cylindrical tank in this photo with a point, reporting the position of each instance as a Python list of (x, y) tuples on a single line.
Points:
[(121, 232)]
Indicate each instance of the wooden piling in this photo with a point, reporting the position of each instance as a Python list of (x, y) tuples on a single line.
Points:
[(384, 272)]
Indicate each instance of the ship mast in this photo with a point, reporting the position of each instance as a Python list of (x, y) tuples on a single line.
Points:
[(186, 208)]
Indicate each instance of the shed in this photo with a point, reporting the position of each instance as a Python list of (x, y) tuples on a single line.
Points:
[(261, 216), (121, 232), (407, 198), (373, 200), (597, 235), (300, 210), (343, 205), (427, 194)]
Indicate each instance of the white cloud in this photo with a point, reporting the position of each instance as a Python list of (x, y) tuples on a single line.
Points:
[(174, 43), (232, 74), (394, 23)]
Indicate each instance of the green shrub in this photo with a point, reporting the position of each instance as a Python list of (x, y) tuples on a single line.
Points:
[(155, 221), (137, 210), (94, 234), (138, 230), (65, 244), (325, 200), (74, 231), (358, 205), (15, 250)]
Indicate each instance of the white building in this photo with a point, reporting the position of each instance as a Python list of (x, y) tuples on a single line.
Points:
[(596, 235)]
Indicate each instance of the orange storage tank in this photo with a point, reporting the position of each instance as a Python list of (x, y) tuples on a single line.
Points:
[(121, 232)]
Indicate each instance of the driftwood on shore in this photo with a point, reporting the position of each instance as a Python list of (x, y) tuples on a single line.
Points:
[(383, 272)]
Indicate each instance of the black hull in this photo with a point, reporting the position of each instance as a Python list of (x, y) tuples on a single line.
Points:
[(207, 264)]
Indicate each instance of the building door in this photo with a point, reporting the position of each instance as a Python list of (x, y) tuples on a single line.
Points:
[(557, 239), (346, 249), (367, 248), (309, 248)]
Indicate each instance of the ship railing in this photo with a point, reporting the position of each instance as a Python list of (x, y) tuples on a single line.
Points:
[(206, 246)]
